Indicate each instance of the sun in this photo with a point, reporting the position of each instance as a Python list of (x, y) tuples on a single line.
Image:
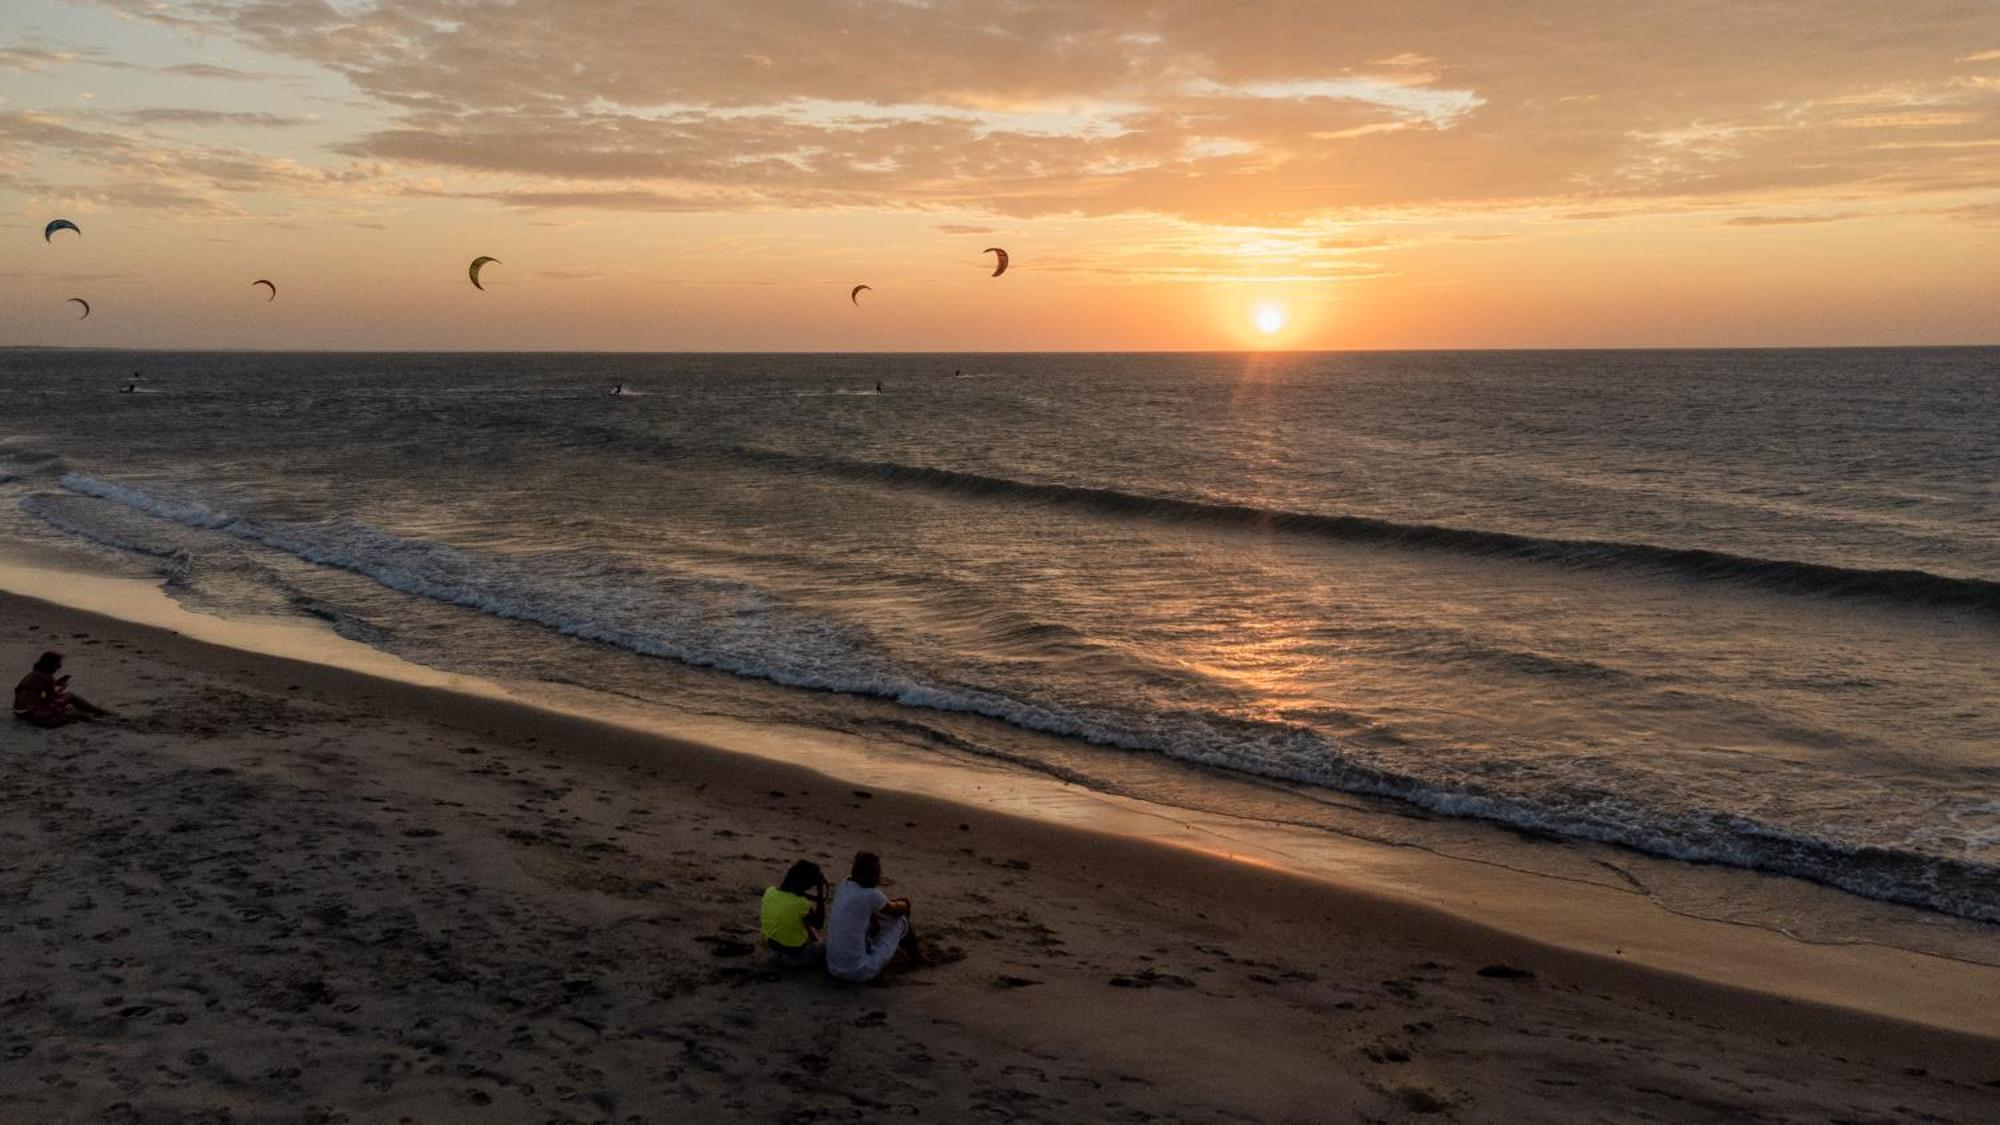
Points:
[(1269, 319)]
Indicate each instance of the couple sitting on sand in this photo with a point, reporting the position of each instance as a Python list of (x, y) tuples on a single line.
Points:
[(867, 932), (43, 699)]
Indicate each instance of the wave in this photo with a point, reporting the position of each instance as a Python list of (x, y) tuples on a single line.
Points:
[(20, 464), (748, 632), (174, 564), (1904, 587)]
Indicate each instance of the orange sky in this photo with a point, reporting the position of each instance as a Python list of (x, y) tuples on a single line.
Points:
[(669, 176)]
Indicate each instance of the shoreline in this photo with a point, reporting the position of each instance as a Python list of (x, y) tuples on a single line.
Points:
[(276, 890), (1889, 1003), (1547, 905), (1678, 845)]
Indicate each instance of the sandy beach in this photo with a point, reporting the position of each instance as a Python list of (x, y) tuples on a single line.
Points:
[(277, 891)]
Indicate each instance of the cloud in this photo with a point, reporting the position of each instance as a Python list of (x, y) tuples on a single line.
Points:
[(623, 200), (38, 275), (964, 228), (1603, 214), (1256, 111), (1978, 214), (48, 154), (169, 116), (34, 58), (211, 70), (135, 194), (1786, 220), (1355, 242), (48, 58)]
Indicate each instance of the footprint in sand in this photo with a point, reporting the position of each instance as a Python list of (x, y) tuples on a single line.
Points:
[(1150, 978), (1419, 1100)]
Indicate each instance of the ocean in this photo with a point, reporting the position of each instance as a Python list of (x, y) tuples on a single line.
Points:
[(1733, 609)]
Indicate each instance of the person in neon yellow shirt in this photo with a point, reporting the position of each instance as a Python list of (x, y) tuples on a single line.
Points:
[(792, 913)]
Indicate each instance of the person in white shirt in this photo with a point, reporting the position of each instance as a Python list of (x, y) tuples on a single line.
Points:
[(865, 929)]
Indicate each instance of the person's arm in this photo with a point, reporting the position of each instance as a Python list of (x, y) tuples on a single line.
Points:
[(896, 907)]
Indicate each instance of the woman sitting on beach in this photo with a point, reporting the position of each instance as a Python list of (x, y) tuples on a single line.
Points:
[(43, 698), (866, 930), (792, 913)]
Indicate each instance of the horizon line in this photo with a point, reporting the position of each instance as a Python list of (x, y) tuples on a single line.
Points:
[(1014, 352)]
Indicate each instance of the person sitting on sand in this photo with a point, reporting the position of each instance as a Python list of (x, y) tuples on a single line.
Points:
[(792, 913), (867, 930), (43, 698)]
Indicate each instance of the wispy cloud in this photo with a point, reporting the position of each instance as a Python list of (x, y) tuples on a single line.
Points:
[(1786, 220), (1980, 214), (30, 58), (45, 154), (34, 58), (212, 70), (173, 116)]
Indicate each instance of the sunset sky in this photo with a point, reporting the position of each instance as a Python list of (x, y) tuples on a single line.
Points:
[(1204, 174)]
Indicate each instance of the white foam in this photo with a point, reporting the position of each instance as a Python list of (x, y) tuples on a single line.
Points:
[(745, 631)]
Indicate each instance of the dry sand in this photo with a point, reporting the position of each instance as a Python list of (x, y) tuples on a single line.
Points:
[(274, 891)]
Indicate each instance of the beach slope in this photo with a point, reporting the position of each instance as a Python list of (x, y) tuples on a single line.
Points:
[(274, 891)]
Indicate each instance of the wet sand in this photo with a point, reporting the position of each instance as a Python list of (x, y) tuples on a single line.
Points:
[(277, 891)]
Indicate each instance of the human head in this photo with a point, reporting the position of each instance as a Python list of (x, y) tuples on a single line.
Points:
[(804, 876), (48, 664), (867, 869)]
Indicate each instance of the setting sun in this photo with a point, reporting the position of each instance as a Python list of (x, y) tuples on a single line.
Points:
[(1269, 319)]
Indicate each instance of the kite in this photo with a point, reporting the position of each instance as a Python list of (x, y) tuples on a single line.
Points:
[(472, 271), (1002, 267), (267, 285), (855, 294), (49, 232), (84, 303)]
